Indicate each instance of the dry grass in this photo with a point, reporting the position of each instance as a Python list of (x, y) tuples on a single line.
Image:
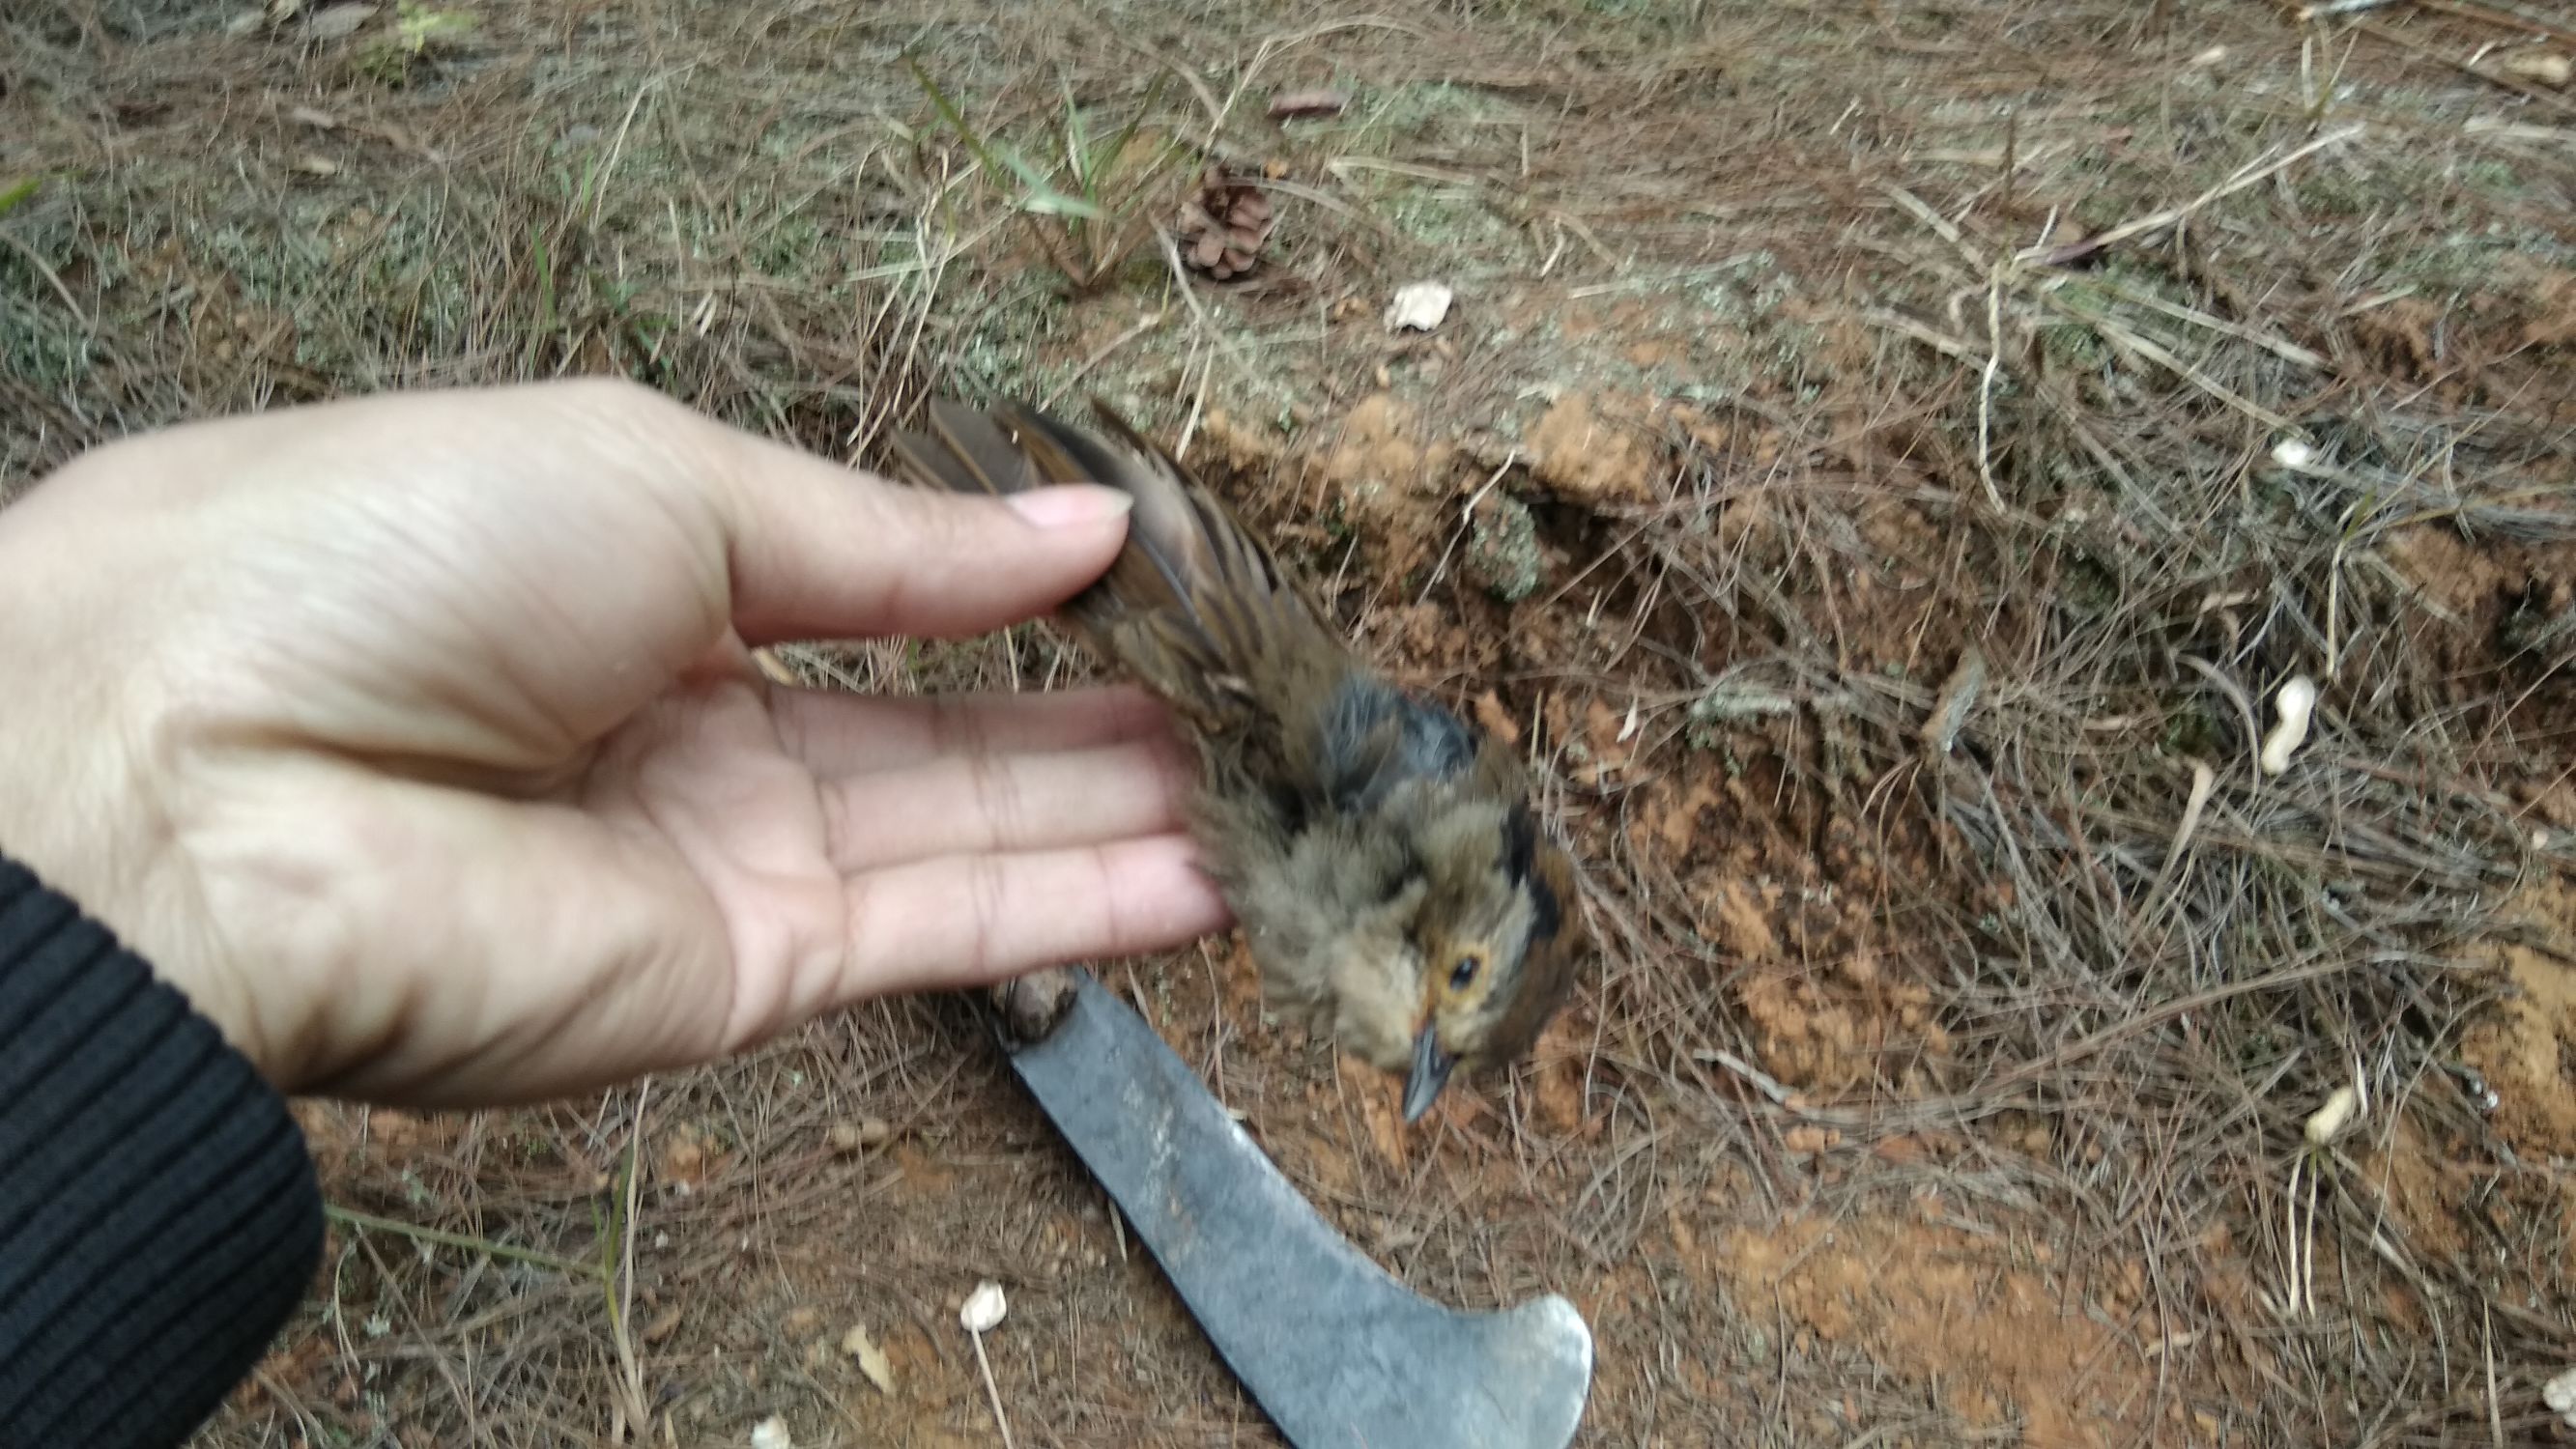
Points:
[(1908, 331)]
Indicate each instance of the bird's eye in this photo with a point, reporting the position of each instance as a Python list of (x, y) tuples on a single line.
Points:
[(1463, 975)]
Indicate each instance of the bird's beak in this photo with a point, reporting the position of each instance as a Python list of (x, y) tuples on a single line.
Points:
[(1430, 1073)]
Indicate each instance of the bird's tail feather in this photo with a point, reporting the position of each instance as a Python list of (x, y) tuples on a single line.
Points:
[(1192, 604)]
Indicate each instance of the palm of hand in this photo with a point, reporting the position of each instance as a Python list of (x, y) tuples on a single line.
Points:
[(444, 776)]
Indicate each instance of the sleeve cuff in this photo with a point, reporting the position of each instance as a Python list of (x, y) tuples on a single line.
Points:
[(159, 1215)]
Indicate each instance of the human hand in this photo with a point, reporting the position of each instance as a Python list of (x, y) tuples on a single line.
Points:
[(417, 738)]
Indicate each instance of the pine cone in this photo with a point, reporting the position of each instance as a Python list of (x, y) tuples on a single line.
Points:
[(1224, 227)]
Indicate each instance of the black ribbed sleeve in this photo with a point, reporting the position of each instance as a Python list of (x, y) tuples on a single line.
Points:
[(159, 1216)]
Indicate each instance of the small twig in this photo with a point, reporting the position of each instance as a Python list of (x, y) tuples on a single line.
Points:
[(2290, 1232), (1932, 337), (2525, 88), (1342, 166), (2244, 709), (2495, 1406), (1466, 521), (1941, 226), (1567, 221), (1198, 408), (1207, 328), (2286, 350), (1951, 707), (1215, 108), (2127, 338), (992, 1391), (2158, 220), (1272, 45), (2308, 1263), (2012, 156), (1986, 387), (617, 152), (357, 1219), (37, 261), (1679, 277), (624, 1336), (2499, 12), (2204, 780), (1328, 202), (1761, 1080), (2491, 128)]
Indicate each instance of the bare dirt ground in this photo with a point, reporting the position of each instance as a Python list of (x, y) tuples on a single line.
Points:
[(1854, 470)]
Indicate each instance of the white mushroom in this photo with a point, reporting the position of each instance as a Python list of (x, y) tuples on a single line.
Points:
[(2295, 703)]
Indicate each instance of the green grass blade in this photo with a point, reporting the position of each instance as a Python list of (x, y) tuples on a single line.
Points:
[(996, 158), (1041, 195), (1127, 133), (1077, 153), (547, 321), (948, 112), (1077, 140)]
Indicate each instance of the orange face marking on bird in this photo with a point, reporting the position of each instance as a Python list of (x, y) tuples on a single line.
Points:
[(1458, 1001)]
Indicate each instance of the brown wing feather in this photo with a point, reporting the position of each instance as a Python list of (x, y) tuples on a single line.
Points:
[(1195, 606), (1557, 945)]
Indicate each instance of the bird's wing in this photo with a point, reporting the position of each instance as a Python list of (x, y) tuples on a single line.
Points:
[(1194, 605), (1367, 738)]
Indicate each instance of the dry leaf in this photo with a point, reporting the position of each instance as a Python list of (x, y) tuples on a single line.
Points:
[(1418, 307), (1290, 104), (1951, 706), (393, 1128), (1606, 739), (872, 1359), (1806, 1139), (684, 1158), (2546, 67), (664, 1324), (849, 1137), (1497, 720)]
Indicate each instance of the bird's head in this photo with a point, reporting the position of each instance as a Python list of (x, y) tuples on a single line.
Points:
[(1495, 938)]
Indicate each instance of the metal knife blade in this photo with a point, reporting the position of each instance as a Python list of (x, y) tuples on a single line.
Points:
[(1338, 1352)]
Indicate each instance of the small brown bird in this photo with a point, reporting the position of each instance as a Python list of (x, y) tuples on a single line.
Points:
[(1381, 854)]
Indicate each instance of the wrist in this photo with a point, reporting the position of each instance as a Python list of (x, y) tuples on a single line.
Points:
[(78, 805)]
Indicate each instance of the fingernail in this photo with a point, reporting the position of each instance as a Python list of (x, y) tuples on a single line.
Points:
[(1071, 504)]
